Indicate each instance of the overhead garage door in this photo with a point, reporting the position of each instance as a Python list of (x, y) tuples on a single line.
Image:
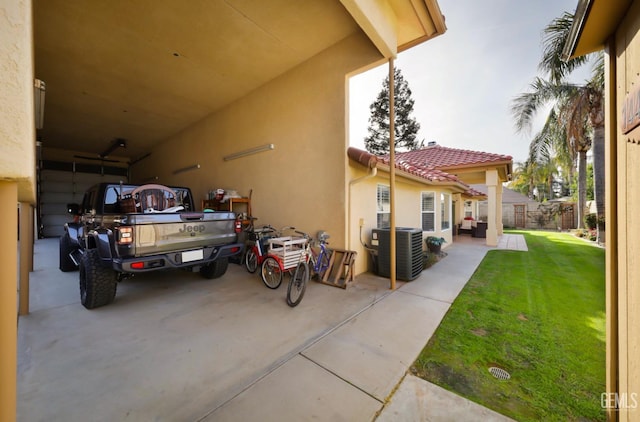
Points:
[(59, 187)]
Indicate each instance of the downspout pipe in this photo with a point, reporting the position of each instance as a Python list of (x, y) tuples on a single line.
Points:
[(373, 172)]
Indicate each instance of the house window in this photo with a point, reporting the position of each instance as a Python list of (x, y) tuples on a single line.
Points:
[(383, 207), (428, 208), (445, 211)]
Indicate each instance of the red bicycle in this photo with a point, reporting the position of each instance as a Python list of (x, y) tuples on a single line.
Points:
[(257, 250)]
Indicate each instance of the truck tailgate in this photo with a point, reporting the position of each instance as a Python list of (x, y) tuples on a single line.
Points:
[(160, 233)]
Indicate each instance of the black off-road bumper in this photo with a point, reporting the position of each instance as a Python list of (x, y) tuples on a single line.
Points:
[(180, 259)]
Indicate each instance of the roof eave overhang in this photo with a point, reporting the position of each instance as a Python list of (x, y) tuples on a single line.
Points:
[(476, 197), (594, 22), (504, 167), (381, 21), (431, 19), (456, 187)]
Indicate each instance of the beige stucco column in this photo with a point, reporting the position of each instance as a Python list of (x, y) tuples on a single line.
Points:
[(17, 177), (457, 198), (8, 303), (499, 225), (491, 177), (26, 255)]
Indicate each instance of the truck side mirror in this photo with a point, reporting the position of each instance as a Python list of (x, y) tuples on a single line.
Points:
[(73, 209)]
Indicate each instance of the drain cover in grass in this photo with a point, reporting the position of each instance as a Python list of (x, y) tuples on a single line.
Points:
[(499, 373)]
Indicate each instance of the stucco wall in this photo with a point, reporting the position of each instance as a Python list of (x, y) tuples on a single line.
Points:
[(17, 129), (408, 210), (303, 113)]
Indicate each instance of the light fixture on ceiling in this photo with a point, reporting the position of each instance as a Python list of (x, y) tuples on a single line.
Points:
[(117, 143), (39, 88), (185, 169), (265, 147)]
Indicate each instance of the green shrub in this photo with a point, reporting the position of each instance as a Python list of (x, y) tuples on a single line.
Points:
[(591, 221)]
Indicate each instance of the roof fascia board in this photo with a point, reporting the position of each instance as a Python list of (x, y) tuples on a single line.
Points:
[(579, 18), (594, 21), (377, 20), (475, 166), (456, 186), (431, 19), (430, 16), (503, 168)]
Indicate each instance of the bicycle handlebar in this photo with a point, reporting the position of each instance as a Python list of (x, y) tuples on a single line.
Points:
[(322, 239), (303, 234)]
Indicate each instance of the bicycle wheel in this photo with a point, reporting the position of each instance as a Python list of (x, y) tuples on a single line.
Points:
[(251, 261), (298, 284), (271, 273)]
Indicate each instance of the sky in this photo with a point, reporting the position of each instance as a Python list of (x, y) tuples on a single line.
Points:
[(464, 81)]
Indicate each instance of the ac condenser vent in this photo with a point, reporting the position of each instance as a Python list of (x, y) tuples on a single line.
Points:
[(408, 253)]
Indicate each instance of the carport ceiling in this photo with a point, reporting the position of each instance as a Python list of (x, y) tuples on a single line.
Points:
[(144, 70)]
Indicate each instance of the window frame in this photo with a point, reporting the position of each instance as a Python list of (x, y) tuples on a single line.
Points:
[(383, 215), (445, 211), (423, 211)]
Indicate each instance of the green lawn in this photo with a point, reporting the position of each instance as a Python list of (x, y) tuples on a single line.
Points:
[(540, 315)]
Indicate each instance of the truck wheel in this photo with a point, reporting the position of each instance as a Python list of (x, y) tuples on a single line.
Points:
[(215, 269), (66, 247), (97, 283)]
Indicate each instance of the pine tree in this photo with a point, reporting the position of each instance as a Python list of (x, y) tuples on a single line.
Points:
[(406, 127)]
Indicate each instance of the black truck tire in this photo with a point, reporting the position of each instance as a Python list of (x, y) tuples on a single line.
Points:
[(215, 269), (97, 283), (66, 247)]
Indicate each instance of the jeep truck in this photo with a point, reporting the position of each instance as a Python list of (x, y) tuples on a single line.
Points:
[(120, 230)]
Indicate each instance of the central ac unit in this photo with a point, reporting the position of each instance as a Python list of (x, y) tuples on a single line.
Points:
[(408, 252)]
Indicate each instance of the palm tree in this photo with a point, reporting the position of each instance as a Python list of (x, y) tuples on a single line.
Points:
[(577, 108), (524, 178), (568, 113), (551, 151)]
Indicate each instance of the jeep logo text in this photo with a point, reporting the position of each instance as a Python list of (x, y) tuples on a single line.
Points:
[(192, 228)]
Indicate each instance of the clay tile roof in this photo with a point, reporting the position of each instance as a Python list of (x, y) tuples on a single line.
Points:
[(363, 157), (473, 193), (443, 158), (427, 172)]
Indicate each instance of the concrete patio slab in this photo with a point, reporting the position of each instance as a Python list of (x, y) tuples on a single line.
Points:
[(417, 400), (171, 347), (175, 346), (443, 281), (374, 349), (297, 391), (512, 241)]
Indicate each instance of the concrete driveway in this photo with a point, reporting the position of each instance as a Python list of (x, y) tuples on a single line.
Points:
[(177, 347)]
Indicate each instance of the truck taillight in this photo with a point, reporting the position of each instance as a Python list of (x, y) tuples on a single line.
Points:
[(238, 226), (125, 235)]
